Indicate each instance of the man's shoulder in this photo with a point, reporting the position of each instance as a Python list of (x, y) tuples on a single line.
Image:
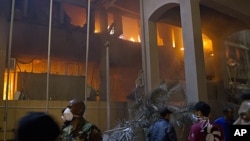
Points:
[(88, 126), (220, 119), (216, 125), (196, 127)]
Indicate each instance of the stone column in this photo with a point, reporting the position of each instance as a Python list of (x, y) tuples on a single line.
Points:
[(196, 88), (221, 75), (150, 54), (117, 24), (150, 58), (92, 21), (103, 69), (103, 21)]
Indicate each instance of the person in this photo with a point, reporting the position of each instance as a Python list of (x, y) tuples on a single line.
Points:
[(244, 111), (37, 126), (162, 129), (203, 129), (226, 121), (79, 129)]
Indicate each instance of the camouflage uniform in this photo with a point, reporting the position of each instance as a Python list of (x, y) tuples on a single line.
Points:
[(84, 131)]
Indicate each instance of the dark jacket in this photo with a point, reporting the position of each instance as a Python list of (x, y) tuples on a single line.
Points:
[(161, 130), (84, 131)]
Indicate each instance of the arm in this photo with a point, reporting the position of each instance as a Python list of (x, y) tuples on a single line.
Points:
[(170, 132), (192, 136), (95, 134)]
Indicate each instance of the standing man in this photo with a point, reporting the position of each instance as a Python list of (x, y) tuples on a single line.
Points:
[(226, 121), (203, 129), (79, 129), (162, 129)]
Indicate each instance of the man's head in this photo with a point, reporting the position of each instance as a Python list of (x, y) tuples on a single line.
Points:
[(228, 112), (165, 112), (201, 109), (244, 111), (77, 107), (37, 126)]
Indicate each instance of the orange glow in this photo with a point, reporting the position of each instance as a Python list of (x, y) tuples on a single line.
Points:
[(97, 23), (11, 86), (36, 61), (139, 38), (159, 39), (132, 39), (130, 29), (77, 14), (173, 38), (207, 45)]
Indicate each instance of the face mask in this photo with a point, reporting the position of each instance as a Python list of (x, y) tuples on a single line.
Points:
[(67, 115), (195, 118)]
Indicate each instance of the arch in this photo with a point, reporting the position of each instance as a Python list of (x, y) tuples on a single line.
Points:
[(157, 14)]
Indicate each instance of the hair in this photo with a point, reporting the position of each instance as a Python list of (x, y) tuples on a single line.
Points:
[(164, 111), (245, 96), (37, 126), (203, 107), (225, 109)]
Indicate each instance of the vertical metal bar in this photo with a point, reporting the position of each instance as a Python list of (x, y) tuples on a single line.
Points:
[(108, 90), (48, 61), (247, 60), (8, 70), (87, 54)]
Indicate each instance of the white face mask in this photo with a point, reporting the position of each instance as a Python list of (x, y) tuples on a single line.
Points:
[(196, 118), (67, 115)]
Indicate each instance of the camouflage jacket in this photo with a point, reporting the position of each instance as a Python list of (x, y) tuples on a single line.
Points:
[(84, 131)]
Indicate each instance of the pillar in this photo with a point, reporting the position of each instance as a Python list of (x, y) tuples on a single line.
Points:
[(196, 88), (118, 24), (103, 20)]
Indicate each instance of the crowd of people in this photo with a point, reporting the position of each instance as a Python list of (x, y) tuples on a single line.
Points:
[(203, 128), (40, 126)]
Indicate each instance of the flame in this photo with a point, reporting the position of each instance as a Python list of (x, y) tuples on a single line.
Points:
[(173, 38), (132, 39), (11, 85)]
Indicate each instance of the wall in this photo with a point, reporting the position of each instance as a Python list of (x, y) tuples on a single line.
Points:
[(96, 113), (61, 87)]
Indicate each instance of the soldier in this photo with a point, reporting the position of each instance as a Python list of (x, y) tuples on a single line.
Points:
[(79, 129)]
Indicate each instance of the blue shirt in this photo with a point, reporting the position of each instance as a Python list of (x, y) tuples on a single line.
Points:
[(161, 130), (226, 125)]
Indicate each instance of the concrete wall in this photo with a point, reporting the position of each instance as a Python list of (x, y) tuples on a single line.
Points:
[(96, 113), (61, 87)]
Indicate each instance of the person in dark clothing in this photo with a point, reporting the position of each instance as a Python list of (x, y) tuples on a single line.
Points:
[(203, 129), (226, 121), (37, 126), (162, 129)]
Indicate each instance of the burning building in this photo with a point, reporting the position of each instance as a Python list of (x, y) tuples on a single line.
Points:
[(57, 50)]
